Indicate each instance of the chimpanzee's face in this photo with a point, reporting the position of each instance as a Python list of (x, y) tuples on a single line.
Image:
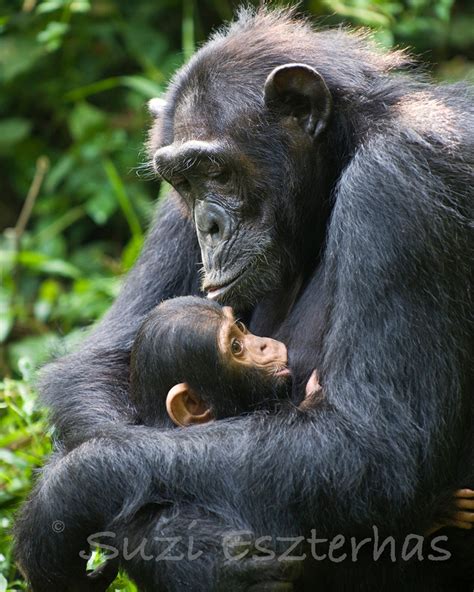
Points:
[(238, 163), (234, 216)]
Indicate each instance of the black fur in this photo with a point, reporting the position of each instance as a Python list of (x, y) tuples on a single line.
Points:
[(369, 274)]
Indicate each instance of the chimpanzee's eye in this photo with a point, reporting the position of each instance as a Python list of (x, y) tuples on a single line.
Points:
[(220, 175), (236, 346), (181, 184), (241, 326)]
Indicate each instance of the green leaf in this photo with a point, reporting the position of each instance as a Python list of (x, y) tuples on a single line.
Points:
[(48, 294), (7, 261), (187, 31), (82, 92), (101, 207), (86, 120), (384, 37), (3, 22), (368, 14), (49, 239), (8, 457), (53, 34), (12, 131), (123, 198), (3, 584), (34, 350), (7, 319), (145, 87), (50, 6), (131, 252), (43, 264), (7, 315), (17, 56), (59, 171), (81, 6), (26, 371)]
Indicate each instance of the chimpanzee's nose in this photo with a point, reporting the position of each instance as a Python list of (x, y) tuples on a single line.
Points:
[(272, 350), (213, 223)]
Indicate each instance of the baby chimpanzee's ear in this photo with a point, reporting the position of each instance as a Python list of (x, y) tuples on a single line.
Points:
[(185, 407)]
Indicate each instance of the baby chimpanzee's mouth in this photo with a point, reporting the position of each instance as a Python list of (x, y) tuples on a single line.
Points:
[(283, 372)]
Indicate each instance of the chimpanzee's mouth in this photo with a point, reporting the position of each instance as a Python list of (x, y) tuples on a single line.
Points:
[(214, 291)]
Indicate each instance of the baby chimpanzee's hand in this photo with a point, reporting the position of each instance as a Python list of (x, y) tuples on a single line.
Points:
[(313, 393)]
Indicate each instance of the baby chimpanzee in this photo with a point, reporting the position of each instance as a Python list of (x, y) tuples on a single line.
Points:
[(192, 361)]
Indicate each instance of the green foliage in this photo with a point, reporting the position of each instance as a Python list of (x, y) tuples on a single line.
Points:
[(75, 78), (23, 446)]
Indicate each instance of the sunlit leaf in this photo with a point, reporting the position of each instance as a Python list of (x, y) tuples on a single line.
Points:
[(145, 87), (101, 206), (80, 6), (131, 252), (17, 55), (36, 350), (50, 6), (43, 264), (85, 120), (7, 313), (123, 198), (53, 34), (12, 131)]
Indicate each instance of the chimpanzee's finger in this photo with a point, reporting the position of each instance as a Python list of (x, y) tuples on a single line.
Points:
[(464, 493), (463, 517), (465, 504), (459, 524)]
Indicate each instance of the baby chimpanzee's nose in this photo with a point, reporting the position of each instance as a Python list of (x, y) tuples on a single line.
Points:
[(269, 351)]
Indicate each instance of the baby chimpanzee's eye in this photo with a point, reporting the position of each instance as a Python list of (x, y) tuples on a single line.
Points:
[(236, 347), (241, 326)]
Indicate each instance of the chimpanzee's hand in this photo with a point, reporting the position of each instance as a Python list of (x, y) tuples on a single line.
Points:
[(463, 516)]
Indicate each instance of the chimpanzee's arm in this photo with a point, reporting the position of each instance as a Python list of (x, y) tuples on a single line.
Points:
[(89, 387), (334, 464)]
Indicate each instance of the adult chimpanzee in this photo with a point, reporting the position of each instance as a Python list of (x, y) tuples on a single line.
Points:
[(192, 361), (328, 195)]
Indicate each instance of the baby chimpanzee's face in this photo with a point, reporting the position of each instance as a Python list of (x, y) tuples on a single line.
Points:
[(227, 370), (243, 351)]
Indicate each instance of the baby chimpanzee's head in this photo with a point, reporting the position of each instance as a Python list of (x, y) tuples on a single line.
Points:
[(192, 361)]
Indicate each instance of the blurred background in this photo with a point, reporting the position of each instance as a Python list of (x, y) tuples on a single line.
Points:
[(75, 76)]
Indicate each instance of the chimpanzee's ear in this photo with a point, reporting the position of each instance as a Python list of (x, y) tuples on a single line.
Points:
[(185, 408), (156, 106), (298, 90)]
